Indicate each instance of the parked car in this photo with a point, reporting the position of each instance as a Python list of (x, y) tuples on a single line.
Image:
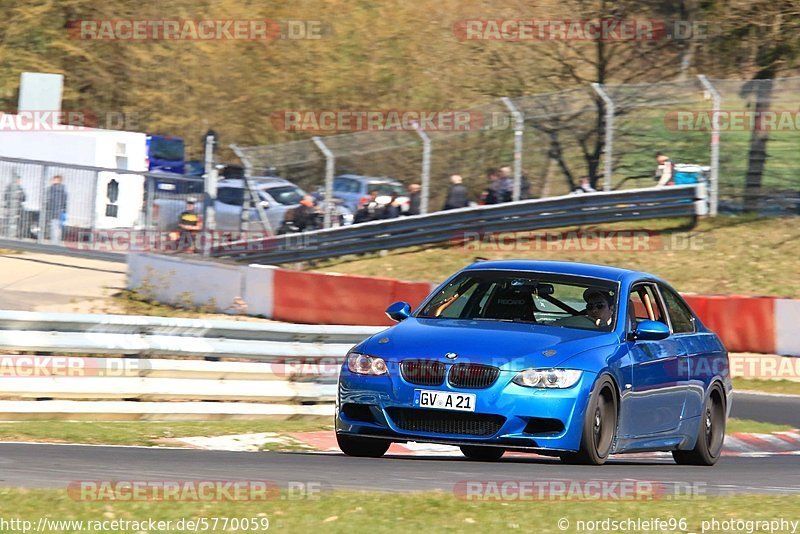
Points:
[(354, 190), (564, 359), (276, 197)]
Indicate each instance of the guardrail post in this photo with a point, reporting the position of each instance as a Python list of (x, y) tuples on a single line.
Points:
[(330, 161), (519, 130), (425, 179), (609, 143), (714, 178), (93, 213)]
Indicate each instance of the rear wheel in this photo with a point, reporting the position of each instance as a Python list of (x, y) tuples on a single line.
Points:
[(711, 433), (485, 454), (599, 426), (364, 447)]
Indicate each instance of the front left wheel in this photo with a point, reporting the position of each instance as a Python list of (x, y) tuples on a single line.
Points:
[(599, 426), (362, 447)]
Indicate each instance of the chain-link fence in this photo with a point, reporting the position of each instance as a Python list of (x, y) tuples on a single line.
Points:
[(565, 140), (740, 136)]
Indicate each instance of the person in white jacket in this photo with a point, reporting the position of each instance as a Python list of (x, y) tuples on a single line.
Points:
[(664, 170)]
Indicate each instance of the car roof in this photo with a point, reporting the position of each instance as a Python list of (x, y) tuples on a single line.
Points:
[(562, 267), (260, 182), (361, 178)]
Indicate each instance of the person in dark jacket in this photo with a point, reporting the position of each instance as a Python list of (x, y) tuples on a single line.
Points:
[(457, 196), (414, 199), (491, 195), (54, 209), (13, 200)]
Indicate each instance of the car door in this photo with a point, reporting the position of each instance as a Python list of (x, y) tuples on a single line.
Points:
[(703, 359), (658, 391)]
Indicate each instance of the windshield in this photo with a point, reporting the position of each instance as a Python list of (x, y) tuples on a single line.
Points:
[(286, 195), (386, 188), (525, 297), (166, 149)]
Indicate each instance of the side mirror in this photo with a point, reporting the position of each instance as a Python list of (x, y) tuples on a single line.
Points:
[(399, 311), (263, 204), (651, 331)]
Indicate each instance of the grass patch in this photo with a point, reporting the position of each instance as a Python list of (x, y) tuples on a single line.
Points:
[(757, 427), (741, 255), (784, 387), (146, 432), (351, 512)]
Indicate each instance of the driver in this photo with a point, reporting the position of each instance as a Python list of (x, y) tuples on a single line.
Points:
[(599, 308)]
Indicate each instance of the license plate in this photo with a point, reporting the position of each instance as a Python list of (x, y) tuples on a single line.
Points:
[(444, 400)]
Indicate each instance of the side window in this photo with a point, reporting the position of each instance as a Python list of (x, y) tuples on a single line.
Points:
[(644, 305), (682, 319), (341, 185), (233, 196)]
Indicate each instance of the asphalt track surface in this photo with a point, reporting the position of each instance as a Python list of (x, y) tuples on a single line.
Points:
[(55, 466)]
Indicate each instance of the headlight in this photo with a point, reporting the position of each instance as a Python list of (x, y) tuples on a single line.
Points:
[(548, 378), (362, 364)]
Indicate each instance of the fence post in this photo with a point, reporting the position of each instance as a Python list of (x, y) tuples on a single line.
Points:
[(519, 130), (40, 238), (249, 194), (425, 180), (714, 178), (150, 184), (330, 161), (209, 196), (609, 143)]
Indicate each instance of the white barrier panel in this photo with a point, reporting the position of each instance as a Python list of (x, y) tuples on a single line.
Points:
[(59, 387), (787, 327), (183, 281), (157, 411)]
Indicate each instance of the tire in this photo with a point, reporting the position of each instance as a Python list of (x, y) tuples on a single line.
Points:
[(362, 447), (483, 454), (710, 434), (599, 426)]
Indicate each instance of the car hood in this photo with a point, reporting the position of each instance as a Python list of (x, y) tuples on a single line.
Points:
[(509, 346)]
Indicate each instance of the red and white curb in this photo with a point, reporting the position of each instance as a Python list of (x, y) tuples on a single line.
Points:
[(738, 444)]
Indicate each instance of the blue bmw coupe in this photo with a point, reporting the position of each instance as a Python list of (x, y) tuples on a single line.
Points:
[(564, 359)]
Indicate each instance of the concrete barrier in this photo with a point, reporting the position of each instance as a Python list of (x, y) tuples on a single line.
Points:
[(765, 325)]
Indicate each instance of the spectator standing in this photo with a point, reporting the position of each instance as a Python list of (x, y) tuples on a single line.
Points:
[(457, 196), (13, 199), (55, 209), (414, 199), (506, 184), (392, 209), (491, 195), (190, 223), (585, 186), (369, 210), (664, 170)]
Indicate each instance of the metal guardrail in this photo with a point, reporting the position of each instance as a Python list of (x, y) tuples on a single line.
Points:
[(146, 336), (590, 208), (275, 369)]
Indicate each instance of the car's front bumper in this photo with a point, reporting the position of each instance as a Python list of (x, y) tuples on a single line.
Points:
[(526, 411)]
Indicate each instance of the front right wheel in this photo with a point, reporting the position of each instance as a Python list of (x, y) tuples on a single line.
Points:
[(711, 434)]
